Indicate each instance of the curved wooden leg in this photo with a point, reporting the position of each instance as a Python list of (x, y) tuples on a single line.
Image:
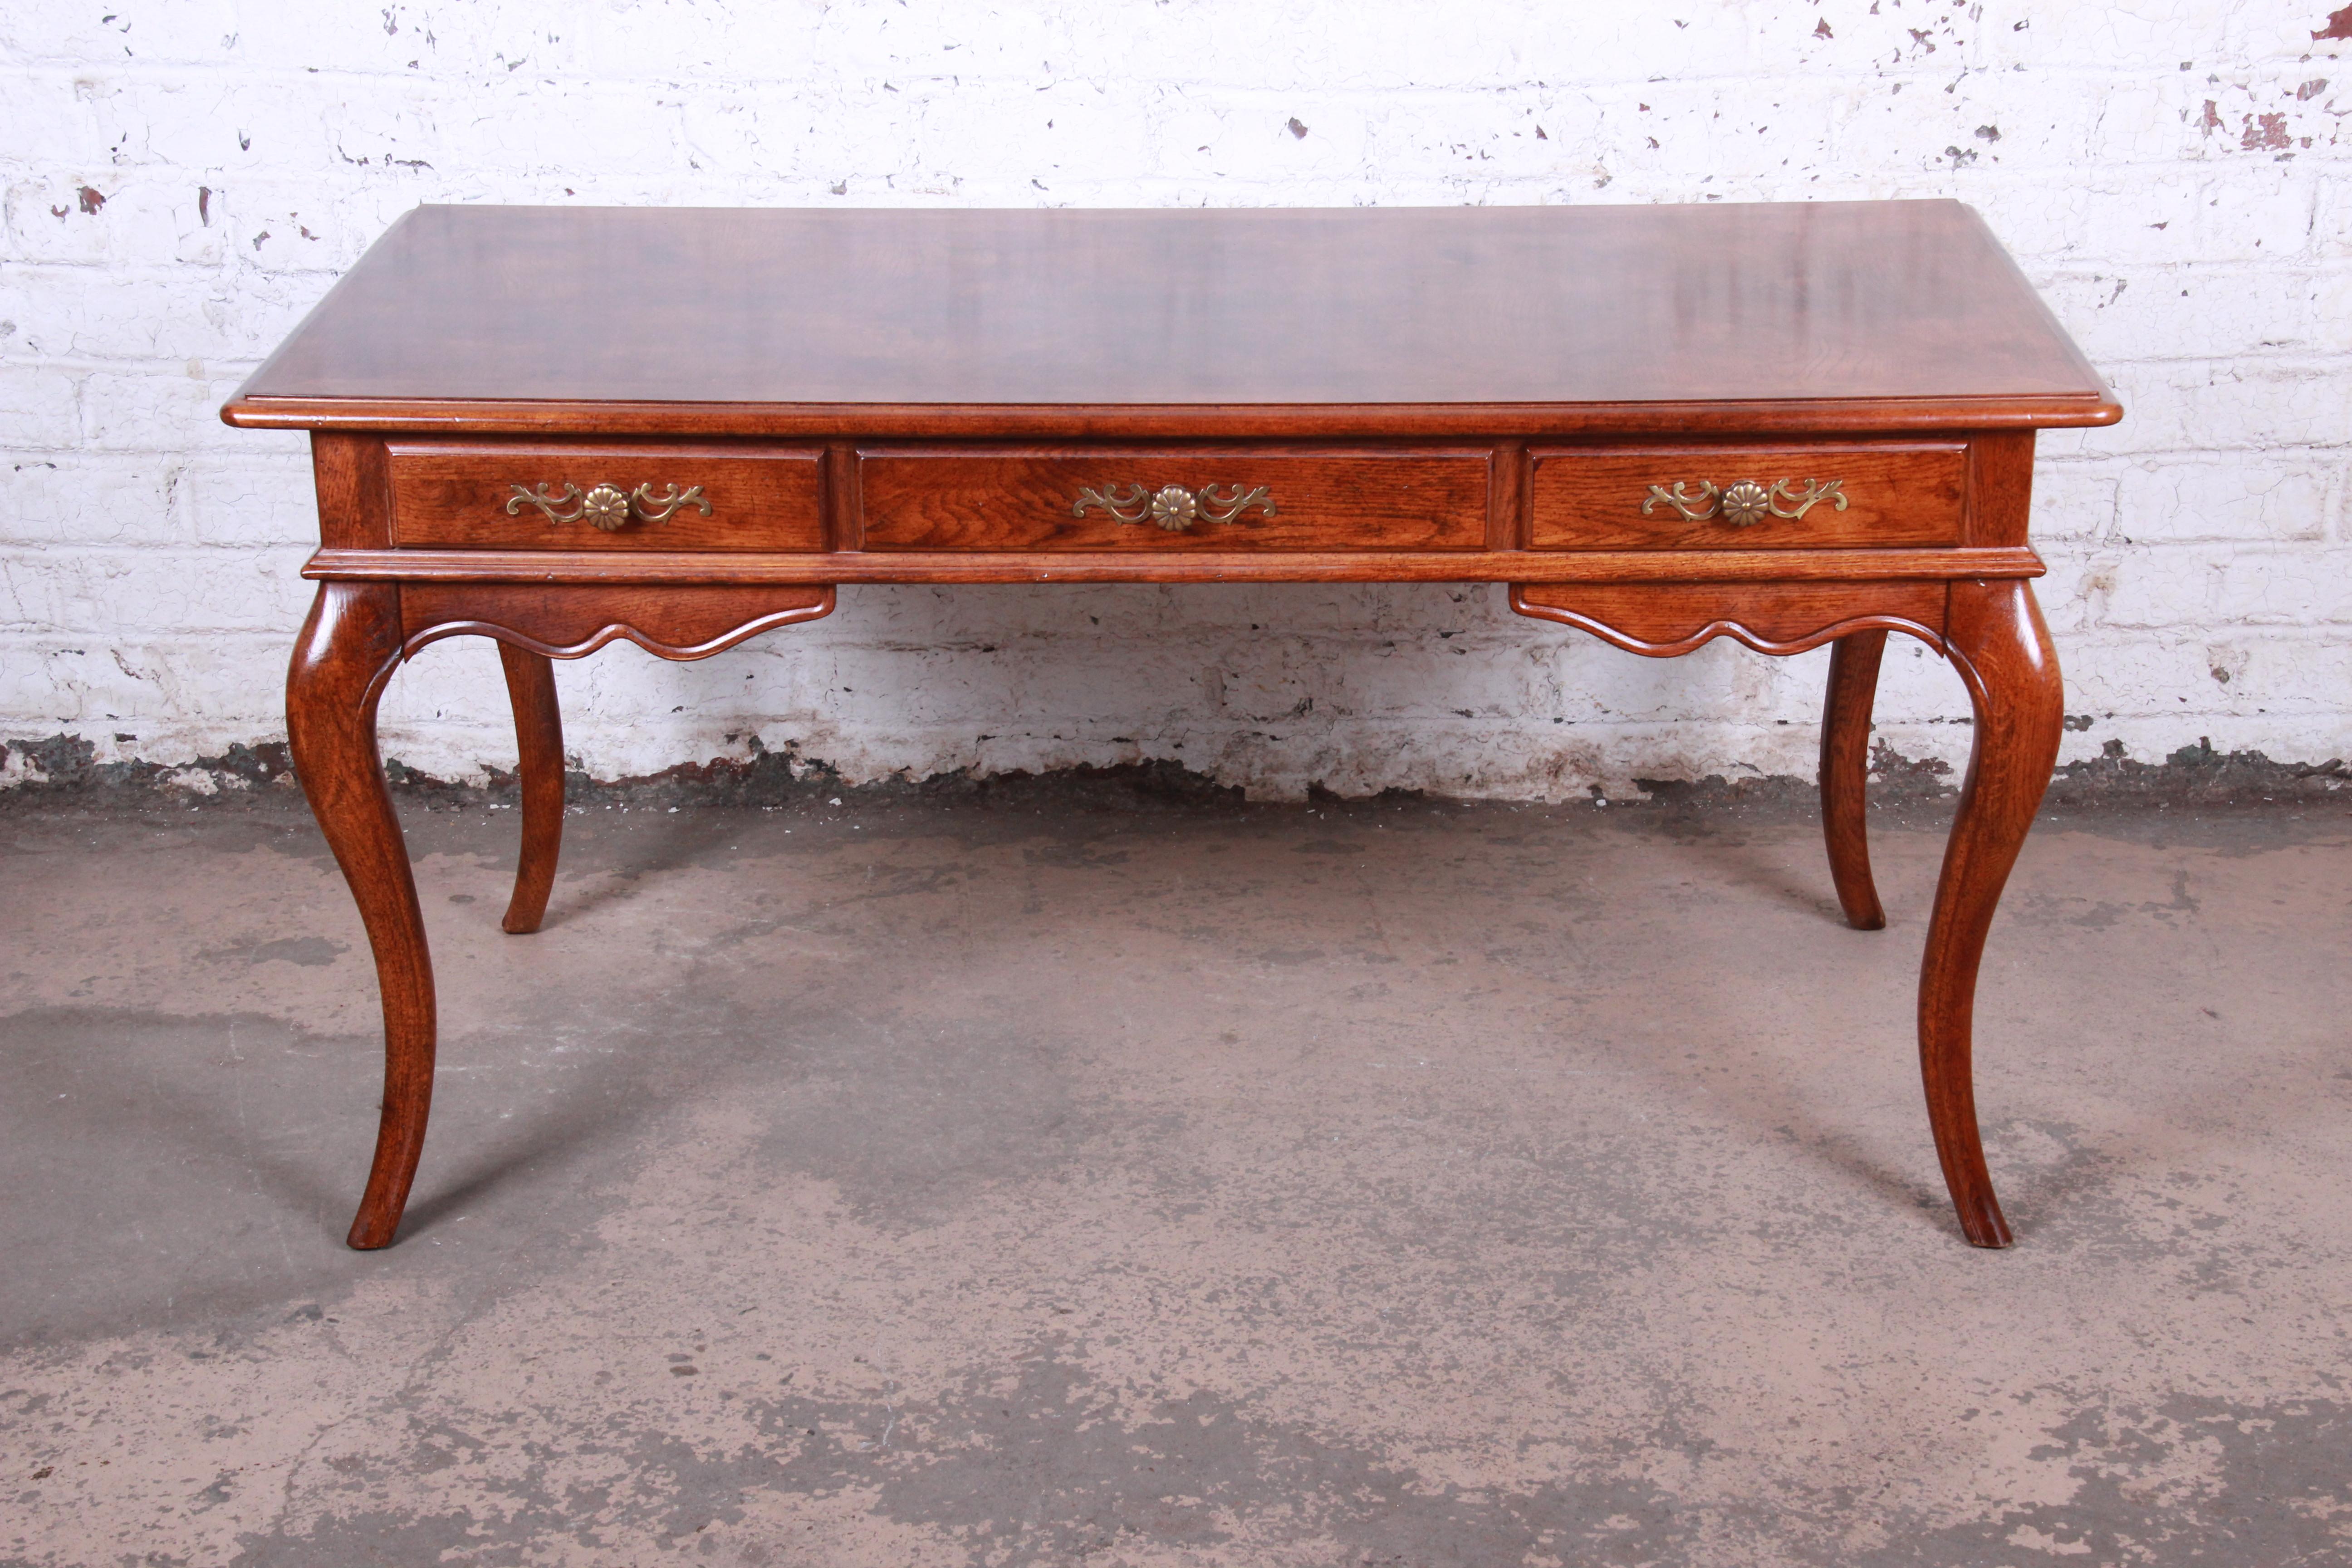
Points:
[(348, 650), (1995, 634), (538, 734), (1845, 770)]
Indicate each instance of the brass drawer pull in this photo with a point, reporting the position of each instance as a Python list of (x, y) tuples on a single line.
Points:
[(607, 506), (1746, 502), (1173, 507)]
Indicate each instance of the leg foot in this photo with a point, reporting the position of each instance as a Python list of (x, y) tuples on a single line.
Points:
[(1996, 638), (1845, 768), (539, 734), (347, 650)]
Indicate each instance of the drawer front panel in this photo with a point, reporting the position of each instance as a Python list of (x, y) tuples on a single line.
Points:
[(1148, 499), (556, 497), (1748, 498)]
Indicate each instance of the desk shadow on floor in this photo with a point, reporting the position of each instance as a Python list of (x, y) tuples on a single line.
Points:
[(607, 855), (164, 1169)]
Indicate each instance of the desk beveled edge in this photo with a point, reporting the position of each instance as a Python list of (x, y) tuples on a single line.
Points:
[(1386, 566), (1368, 421)]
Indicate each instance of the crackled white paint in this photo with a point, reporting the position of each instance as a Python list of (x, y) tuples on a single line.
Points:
[(184, 179)]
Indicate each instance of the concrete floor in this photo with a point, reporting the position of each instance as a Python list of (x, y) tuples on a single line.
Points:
[(1028, 1182)]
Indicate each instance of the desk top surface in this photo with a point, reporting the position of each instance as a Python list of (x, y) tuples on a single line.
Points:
[(1852, 315)]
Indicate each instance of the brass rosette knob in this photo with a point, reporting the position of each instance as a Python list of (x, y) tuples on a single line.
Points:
[(1744, 503), (1747, 504), (606, 506), (1173, 507)]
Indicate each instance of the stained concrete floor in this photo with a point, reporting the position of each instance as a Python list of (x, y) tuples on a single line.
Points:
[(1033, 1183)]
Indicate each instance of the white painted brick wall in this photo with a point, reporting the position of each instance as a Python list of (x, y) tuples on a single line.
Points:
[(181, 179)]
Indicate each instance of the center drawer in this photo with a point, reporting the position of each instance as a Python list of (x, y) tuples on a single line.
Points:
[(1160, 499)]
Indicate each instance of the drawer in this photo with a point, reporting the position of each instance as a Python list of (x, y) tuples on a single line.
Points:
[(554, 496), (1748, 497), (1156, 500)]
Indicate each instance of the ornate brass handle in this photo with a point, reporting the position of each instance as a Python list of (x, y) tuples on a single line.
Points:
[(1745, 503), (607, 506), (1173, 507)]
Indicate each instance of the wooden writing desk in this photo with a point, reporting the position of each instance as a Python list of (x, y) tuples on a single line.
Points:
[(1791, 424)]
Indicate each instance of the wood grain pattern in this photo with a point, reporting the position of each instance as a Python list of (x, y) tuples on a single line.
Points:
[(1896, 495), (2001, 488), (346, 652), (1055, 423), (1845, 774), (835, 321), (1271, 567), (1664, 620), (456, 494), (572, 620), (1997, 640), (347, 473), (1397, 499), (1506, 501), (1443, 396), (539, 741)]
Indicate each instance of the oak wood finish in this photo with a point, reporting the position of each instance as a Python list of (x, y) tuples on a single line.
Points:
[(1896, 495), (1398, 499), (458, 493), (914, 396), (1166, 324), (346, 652), (1996, 639), (1664, 620), (1845, 774), (572, 620), (538, 771), (1180, 566)]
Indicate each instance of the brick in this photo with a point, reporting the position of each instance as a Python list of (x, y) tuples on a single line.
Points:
[(2149, 36), (1071, 131), (253, 497), (51, 121), (1965, 126), (2202, 311), (162, 410), (209, 126), (155, 31), (68, 499), (2252, 401), (2331, 219), (168, 693), (39, 404), (2187, 212), (1710, 140), (2074, 501), (445, 41), (2267, 498), (168, 314), (799, 44), (2141, 586), (105, 219), (96, 590), (2280, 588)]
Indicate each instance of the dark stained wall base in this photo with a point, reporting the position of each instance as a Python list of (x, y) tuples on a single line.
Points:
[(66, 771)]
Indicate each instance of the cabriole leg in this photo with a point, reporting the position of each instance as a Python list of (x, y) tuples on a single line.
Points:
[(1845, 768), (1995, 636), (347, 650), (539, 736)]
